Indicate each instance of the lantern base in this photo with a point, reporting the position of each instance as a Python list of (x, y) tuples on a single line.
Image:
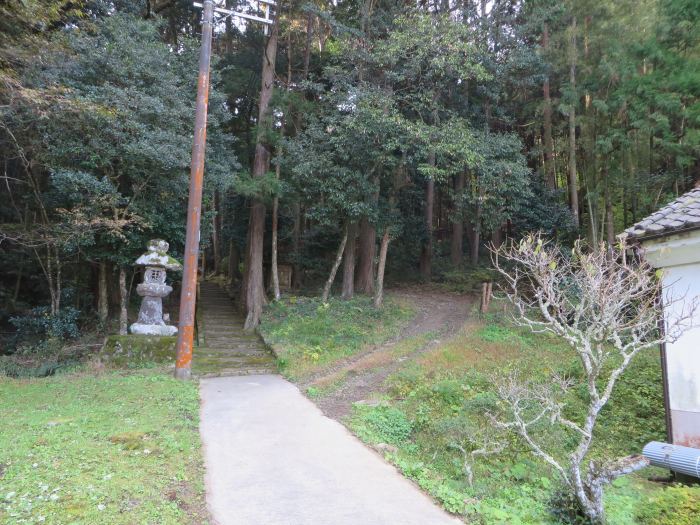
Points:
[(153, 329)]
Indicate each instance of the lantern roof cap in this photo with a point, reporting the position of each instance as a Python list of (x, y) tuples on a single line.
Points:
[(157, 255)]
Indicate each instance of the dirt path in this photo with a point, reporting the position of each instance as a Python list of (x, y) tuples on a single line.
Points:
[(439, 316)]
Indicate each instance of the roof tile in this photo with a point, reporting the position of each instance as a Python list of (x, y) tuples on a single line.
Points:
[(682, 213)]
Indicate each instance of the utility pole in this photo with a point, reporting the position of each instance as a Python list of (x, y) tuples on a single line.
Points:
[(188, 296)]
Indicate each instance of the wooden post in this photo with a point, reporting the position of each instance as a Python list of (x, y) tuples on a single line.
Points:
[(486, 290), (185, 333)]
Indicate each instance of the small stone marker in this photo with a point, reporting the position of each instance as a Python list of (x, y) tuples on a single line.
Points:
[(153, 288), (284, 271)]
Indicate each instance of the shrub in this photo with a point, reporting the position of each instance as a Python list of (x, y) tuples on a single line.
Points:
[(41, 323), (11, 368), (384, 424), (677, 505), (467, 280)]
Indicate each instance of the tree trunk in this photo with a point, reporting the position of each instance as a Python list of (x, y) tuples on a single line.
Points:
[(47, 269), (278, 167), (254, 281), (550, 174), (497, 237), (456, 245), (234, 260), (216, 235), (573, 179), (307, 47), (123, 302), (365, 262), (58, 280), (102, 300), (18, 284), (379, 290), (298, 213), (475, 236), (228, 33), (349, 263), (296, 246), (486, 292), (255, 287), (334, 269), (474, 248), (275, 273), (426, 257), (609, 216)]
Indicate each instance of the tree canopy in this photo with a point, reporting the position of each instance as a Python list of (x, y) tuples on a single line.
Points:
[(446, 125)]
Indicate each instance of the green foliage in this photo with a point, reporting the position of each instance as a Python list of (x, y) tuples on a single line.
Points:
[(495, 333), (36, 348), (339, 159), (10, 366), (39, 322), (264, 187), (641, 387), (98, 138), (676, 505), (101, 450), (382, 424), (130, 94), (467, 279), (313, 392), (429, 49)]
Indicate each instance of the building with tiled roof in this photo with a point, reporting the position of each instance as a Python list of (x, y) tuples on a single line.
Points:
[(683, 214), (669, 240)]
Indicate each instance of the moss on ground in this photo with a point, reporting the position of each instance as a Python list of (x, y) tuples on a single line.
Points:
[(110, 449), (135, 350)]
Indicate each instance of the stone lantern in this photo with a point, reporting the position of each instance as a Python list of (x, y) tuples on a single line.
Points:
[(153, 289)]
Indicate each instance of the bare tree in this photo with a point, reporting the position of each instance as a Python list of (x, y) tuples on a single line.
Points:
[(606, 309)]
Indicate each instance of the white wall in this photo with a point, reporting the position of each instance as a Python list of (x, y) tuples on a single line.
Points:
[(678, 257)]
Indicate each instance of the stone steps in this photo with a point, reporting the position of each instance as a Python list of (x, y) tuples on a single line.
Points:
[(226, 342), (225, 353), (230, 336), (222, 319), (231, 347), (226, 372), (226, 349), (235, 361), (222, 345)]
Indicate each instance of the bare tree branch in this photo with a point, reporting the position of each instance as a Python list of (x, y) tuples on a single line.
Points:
[(605, 308)]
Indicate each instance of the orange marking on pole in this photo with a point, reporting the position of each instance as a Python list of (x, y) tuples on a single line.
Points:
[(184, 358)]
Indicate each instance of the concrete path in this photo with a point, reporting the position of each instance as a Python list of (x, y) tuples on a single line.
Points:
[(272, 458)]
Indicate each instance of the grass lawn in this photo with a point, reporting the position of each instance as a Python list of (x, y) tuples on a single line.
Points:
[(311, 335), (436, 413), (112, 448)]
